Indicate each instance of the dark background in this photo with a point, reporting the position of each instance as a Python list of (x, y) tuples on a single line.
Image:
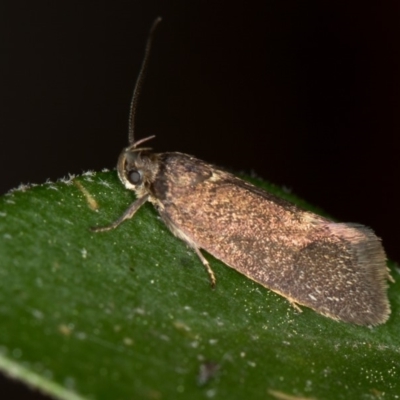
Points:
[(305, 94)]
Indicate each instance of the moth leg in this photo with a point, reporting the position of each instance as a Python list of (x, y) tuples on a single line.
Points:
[(207, 266), (129, 213), (389, 276), (295, 306)]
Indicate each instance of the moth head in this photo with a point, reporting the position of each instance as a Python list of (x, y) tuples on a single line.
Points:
[(137, 167)]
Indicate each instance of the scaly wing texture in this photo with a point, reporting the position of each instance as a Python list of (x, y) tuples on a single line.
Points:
[(336, 269)]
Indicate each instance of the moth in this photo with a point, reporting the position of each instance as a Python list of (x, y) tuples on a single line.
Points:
[(337, 269)]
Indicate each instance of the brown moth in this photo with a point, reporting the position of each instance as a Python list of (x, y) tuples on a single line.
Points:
[(337, 269)]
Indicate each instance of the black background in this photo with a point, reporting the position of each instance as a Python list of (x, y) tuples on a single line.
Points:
[(305, 94)]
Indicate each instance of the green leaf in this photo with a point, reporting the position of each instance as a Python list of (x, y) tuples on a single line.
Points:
[(129, 313)]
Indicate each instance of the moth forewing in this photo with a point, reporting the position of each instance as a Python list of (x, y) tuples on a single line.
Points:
[(337, 269)]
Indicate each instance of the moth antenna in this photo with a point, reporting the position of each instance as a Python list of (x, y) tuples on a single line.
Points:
[(139, 142), (139, 81)]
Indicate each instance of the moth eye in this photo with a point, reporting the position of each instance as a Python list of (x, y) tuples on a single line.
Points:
[(135, 177)]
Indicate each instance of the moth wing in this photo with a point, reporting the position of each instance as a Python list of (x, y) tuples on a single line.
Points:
[(342, 274), (337, 269)]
